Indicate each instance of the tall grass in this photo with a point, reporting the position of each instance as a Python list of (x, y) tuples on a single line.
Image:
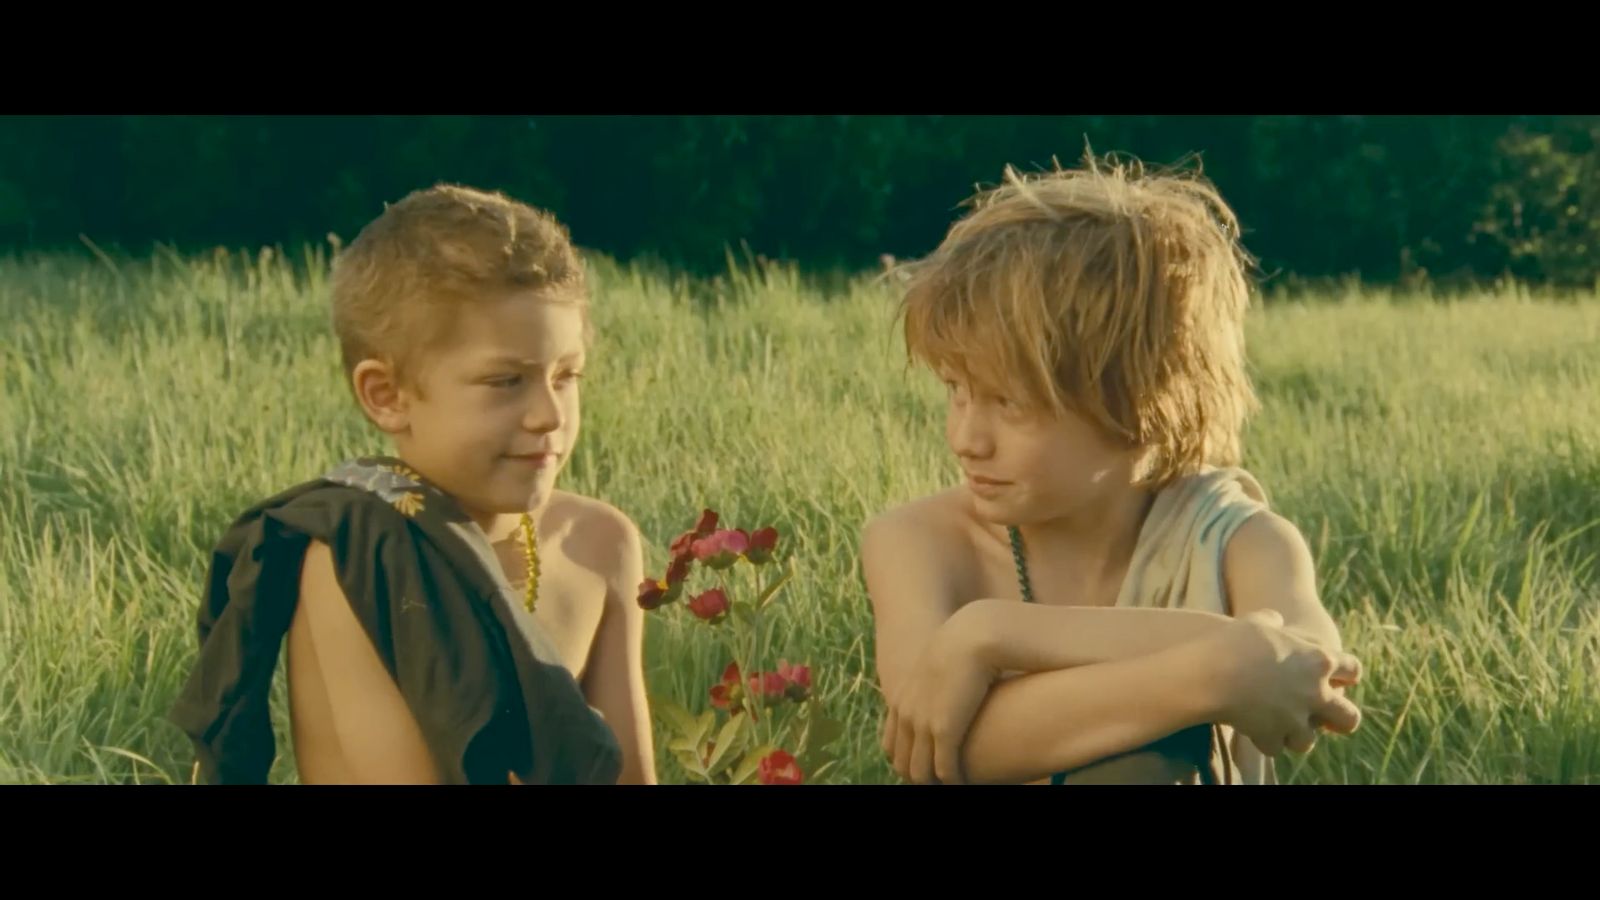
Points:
[(1443, 458)]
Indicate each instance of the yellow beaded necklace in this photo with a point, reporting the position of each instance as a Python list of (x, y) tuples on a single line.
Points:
[(530, 551)]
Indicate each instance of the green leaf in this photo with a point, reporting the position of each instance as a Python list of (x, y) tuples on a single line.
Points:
[(823, 731), (680, 744), (751, 764), (815, 763), (819, 731), (779, 578), (683, 721), (691, 764), (821, 770), (702, 726), (731, 735)]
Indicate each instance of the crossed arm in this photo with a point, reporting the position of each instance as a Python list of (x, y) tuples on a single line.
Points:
[(1096, 682)]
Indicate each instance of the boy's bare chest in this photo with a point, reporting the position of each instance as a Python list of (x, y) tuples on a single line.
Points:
[(994, 572), (570, 603)]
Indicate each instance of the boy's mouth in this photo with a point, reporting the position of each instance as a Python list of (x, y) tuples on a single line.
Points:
[(536, 460), (986, 487)]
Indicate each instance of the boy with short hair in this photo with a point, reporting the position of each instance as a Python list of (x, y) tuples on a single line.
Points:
[(450, 616)]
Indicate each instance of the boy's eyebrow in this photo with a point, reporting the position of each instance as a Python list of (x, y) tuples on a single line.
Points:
[(526, 363)]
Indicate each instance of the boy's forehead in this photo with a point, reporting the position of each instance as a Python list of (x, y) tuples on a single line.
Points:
[(523, 333), (506, 349), (519, 318), (979, 370)]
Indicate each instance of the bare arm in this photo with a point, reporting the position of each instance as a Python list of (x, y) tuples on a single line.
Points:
[(614, 683), (1028, 637), (1033, 725), (1267, 565), (379, 739), (1190, 669), (910, 596)]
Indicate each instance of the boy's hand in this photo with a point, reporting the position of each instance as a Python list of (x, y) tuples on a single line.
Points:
[(1278, 688), (927, 723)]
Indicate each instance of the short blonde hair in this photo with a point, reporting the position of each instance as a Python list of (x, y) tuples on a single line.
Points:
[(1105, 290), (397, 287)]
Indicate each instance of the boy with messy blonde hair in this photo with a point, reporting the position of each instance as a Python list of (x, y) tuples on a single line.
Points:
[(1106, 596), (450, 616)]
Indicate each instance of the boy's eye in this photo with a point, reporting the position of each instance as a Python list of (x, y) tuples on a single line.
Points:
[(568, 377), (1012, 408), (505, 381)]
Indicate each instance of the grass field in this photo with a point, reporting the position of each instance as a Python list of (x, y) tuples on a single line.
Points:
[(1443, 458)]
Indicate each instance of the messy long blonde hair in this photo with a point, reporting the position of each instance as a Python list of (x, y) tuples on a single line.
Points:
[(1107, 290)]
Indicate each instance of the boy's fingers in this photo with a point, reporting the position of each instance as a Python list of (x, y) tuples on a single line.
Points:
[(1301, 740), (1340, 715), (1347, 671), (922, 759)]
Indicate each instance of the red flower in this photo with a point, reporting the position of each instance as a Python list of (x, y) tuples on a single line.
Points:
[(681, 544), (721, 549), (762, 543), (797, 680), (710, 606), (679, 569), (728, 693), (652, 593), (778, 767), (769, 686), (704, 527)]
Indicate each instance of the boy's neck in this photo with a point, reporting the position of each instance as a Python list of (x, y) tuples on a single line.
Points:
[(498, 526), (1097, 541)]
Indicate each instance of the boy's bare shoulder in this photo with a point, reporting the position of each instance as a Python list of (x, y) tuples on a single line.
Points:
[(919, 563), (946, 511), (934, 529), (1266, 541), (594, 531), (1267, 564)]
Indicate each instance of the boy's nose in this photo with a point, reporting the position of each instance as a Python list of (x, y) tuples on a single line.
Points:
[(969, 437), (544, 415)]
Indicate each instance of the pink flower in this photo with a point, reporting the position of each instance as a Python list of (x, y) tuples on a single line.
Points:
[(797, 680), (779, 767), (710, 606), (762, 543), (721, 549), (769, 686), (702, 528)]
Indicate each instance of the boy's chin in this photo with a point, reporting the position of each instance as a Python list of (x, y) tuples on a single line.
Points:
[(534, 496), (992, 506)]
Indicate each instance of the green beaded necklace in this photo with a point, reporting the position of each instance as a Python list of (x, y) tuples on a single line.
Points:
[(1022, 564), (1027, 597)]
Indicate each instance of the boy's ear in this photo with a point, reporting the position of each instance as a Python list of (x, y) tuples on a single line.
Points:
[(378, 391)]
